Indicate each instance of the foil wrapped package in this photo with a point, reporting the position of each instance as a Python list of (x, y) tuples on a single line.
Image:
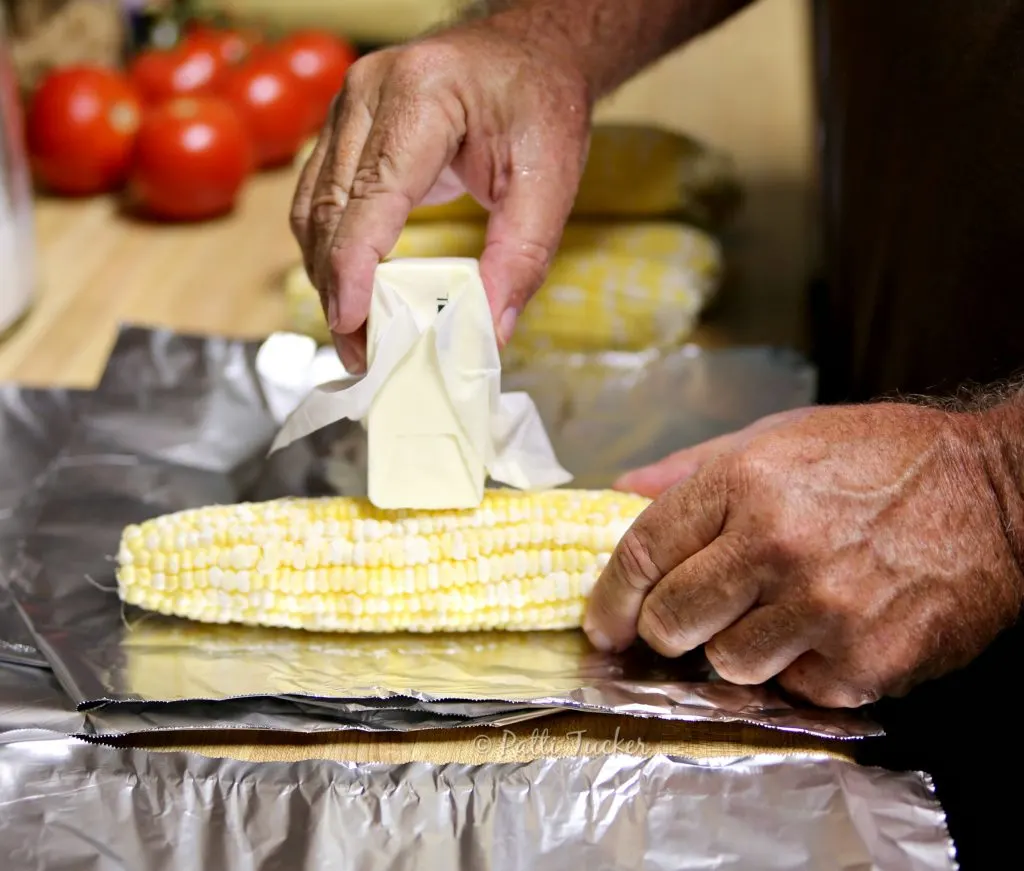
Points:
[(82, 807), (181, 421)]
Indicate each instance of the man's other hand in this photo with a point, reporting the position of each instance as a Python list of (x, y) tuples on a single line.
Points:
[(850, 552)]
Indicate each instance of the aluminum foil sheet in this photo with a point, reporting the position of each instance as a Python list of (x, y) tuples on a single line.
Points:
[(181, 421), (305, 716), (31, 699), (170, 659), (15, 641), (32, 428), (81, 807), (608, 413)]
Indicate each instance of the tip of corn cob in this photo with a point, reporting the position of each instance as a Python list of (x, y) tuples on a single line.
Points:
[(519, 562)]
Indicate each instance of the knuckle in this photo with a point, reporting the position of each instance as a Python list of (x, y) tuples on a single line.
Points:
[(745, 466), (359, 78), (372, 178), (840, 696), (838, 602), (659, 626), (785, 538), (733, 550), (380, 178), (731, 664), (422, 65), (637, 568), (537, 254), (785, 545), (298, 222), (747, 653), (827, 687), (752, 472), (323, 216)]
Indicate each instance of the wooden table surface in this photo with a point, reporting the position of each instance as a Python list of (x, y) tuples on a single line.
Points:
[(99, 270)]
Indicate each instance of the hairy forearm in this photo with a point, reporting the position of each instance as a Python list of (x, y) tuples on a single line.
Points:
[(607, 41), (1001, 430)]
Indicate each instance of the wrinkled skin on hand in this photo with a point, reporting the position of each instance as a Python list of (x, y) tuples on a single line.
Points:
[(472, 109), (849, 552)]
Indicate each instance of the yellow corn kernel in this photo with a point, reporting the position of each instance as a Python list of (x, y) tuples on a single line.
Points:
[(518, 562)]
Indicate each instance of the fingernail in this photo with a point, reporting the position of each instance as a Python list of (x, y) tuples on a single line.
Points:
[(351, 359), (332, 311), (598, 639), (507, 325), (624, 482)]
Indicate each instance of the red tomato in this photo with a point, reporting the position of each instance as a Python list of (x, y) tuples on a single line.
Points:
[(160, 74), (80, 128), (192, 156), (272, 103), (320, 61), (232, 46)]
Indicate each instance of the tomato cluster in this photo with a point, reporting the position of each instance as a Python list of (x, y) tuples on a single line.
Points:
[(183, 128)]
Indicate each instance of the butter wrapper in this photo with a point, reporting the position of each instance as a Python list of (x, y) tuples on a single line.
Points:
[(431, 397)]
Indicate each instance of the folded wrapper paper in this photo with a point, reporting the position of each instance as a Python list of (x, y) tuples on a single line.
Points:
[(514, 449)]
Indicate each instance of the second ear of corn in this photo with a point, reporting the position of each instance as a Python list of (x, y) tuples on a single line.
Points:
[(521, 561), (614, 286), (637, 263)]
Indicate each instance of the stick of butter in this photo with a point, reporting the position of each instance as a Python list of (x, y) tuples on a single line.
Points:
[(437, 422), (427, 422)]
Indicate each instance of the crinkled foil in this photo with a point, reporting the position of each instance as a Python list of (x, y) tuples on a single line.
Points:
[(169, 659), (32, 699), (15, 641), (81, 807), (33, 425), (612, 412), (297, 715), (181, 421)]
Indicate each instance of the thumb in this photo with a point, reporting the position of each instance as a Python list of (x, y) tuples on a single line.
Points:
[(653, 480)]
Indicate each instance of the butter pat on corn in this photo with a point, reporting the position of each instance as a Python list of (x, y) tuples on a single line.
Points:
[(518, 562)]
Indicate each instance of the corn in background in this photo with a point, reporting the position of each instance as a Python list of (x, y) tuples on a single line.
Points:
[(621, 287), (638, 262)]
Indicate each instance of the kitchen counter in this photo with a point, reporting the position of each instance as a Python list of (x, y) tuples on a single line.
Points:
[(99, 270)]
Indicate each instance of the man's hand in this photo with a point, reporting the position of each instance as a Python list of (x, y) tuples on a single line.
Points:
[(851, 552), (498, 106), (475, 109)]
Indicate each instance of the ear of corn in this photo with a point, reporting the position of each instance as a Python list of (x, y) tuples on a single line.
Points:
[(521, 561), (665, 241), (617, 286), (637, 171)]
